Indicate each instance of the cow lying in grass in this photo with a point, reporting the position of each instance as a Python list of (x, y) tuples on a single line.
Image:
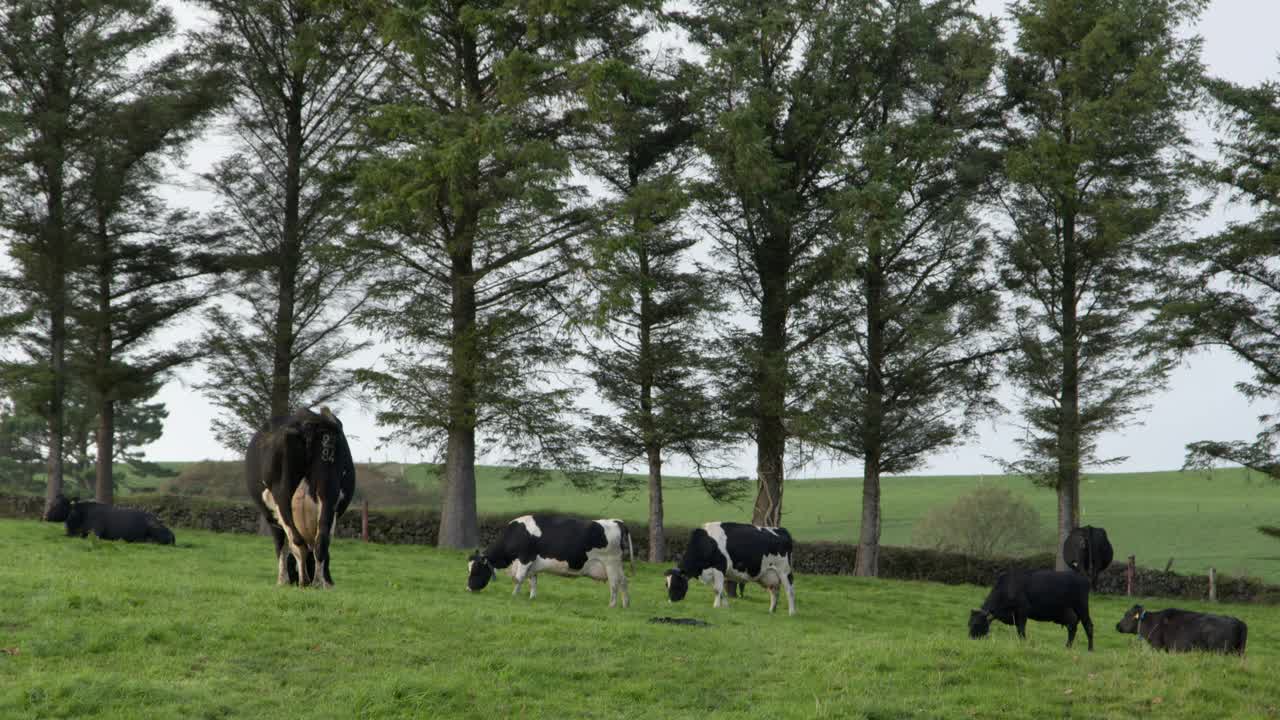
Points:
[(107, 522), (1045, 595), (1174, 630)]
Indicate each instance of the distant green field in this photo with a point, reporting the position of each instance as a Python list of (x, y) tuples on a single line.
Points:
[(1199, 520), (94, 630)]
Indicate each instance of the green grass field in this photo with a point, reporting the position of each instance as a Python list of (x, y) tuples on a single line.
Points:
[(109, 630), (1199, 520)]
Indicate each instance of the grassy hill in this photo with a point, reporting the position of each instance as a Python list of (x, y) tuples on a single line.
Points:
[(111, 630), (1198, 519)]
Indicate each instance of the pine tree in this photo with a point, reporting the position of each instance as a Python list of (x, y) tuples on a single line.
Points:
[(303, 73), (1097, 187), (917, 358), (63, 64), (651, 303), (478, 230), (1229, 288), (143, 260)]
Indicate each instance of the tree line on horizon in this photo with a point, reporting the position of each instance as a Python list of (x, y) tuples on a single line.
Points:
[(815, 227)]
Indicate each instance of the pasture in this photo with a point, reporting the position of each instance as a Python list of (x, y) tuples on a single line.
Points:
[(1199, 519), (90, 629)]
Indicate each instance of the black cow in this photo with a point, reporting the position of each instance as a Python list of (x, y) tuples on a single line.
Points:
[(559, 545), (720, 551), (1176, 630), (1087, 550), (301, 475), (1045, 595), (107, 522)]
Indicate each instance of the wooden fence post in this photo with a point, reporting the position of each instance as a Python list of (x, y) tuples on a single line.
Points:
[(1130, 571), (364, 520), (1213, 585)]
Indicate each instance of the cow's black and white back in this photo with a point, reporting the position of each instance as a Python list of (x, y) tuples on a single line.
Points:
[(559, 545), (739, 552), (301, 475)]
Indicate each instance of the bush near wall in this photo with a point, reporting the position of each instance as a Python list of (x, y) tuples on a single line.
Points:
[(418, 527)]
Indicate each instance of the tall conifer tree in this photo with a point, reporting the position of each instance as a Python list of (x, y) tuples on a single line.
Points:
[(915, 366), (651, 303), (1229, 285), (1097, 188), (303, 72), (478, 229)]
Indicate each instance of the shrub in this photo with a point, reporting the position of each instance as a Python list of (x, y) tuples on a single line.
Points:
[(986, 522)]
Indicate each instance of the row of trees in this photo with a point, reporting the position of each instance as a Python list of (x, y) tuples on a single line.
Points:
[(827, 227)]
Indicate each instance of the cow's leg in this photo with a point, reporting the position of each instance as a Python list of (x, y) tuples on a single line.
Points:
[(286, 574), (789, 587), (717, 584), (1020, 621), (1071, 632), (282, 507), (518, 573), (617, 583), (327, 518), (1088, 627), (533, 586), (773, 597)]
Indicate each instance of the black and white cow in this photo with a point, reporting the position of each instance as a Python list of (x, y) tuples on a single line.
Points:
[(301, 475), (108, 522), (559, 545), (720, 551), (1175, 630)]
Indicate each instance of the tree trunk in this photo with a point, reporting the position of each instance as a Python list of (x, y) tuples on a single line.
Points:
[(653, 451), (657, 542), (771, 435), (459, 526), (868, 558), (56, 244), (105, 482), (290, 252), (1069, 418)]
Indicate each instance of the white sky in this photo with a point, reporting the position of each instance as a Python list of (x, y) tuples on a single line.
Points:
[(1240, 44)]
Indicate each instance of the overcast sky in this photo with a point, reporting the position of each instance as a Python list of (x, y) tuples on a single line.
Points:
[(1240, 44)]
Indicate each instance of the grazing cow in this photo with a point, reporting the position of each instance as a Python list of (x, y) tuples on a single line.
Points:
[(559, 545), (1087, 551), (1176, 630), (300, 473), (720, 551), (1045, 595), (107, 522)]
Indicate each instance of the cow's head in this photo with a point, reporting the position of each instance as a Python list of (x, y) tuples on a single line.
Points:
[(677, 585), (979, 623), (479, 572), (1132, 618), (58, 509)]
